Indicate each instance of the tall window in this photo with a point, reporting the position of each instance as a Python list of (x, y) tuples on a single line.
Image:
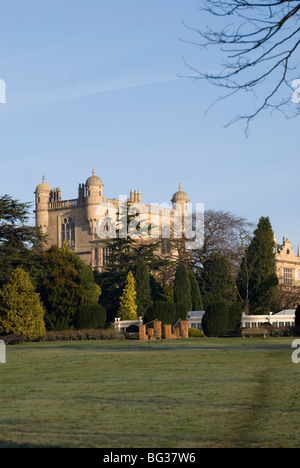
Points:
[(106, 252), (288, 277), (68, 231)]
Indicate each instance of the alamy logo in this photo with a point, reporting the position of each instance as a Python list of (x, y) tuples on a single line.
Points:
[(295, 354), (2, 92), (156, 221), (2, 352), (296, 93)]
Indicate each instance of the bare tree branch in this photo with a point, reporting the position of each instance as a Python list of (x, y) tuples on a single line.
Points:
[(261, 48)]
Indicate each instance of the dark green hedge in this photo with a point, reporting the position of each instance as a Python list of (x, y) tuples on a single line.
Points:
[(90, 316), (166, 312)]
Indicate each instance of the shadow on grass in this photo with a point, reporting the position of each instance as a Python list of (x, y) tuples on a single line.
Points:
[(10, 445), (171, 346)]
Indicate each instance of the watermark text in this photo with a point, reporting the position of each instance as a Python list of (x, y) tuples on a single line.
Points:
[(2, 92)]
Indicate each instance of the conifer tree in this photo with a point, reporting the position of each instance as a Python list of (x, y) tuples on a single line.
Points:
[(182, 287), (167, 294), (257, 281), (217, 281), (66, 284), (196, 298), (143, 291), (16, 238), (125, 253), (215, 319), (128, 306), (21, 311)]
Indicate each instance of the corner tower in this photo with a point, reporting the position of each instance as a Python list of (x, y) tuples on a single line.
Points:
[(42, 198), (94, 195)]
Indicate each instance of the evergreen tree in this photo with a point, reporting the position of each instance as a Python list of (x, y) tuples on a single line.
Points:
[(215, 319), (257, 282), (196, 298), (90, 316), (165, 312), (217, 281), (156, 290), (128, 306), (143, 291), (167, 294), (235, 315), (21, 311), (125, 254), (182, 287), (67, 283), (16, 238)]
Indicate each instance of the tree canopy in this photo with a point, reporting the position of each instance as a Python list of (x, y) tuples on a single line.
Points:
[(21, 311), (66, 284), (17, 240), (182, 287), (218, 281), (128, 306), (257, 282)]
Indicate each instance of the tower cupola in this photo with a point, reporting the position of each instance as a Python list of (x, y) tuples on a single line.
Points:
[(94, 195), (180, 200)]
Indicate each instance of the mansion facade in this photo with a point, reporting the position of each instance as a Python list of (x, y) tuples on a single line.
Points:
[(89, 221), (287, 269), (287, 264)]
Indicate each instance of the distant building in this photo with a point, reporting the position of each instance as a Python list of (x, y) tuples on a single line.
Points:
[(285, 318), (287, 264), (77, 221), (287, 269), (195, 319)]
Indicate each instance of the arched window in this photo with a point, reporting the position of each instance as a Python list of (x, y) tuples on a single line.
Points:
[(68, 231)]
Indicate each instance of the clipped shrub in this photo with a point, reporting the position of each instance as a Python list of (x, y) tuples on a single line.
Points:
[(164, 311), (90, 316), (194, 333), (215, 319)]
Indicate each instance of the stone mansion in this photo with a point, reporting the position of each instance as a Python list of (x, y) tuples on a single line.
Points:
[(287, 269), (77, 221)]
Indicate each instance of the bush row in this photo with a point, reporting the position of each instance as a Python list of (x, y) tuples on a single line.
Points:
[(77, 335), (166, 312)]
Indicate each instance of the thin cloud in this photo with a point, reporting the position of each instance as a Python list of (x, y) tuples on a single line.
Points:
[(28, 56), (87, 89)]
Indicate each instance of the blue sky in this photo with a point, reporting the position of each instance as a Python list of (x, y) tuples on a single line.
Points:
[(101, 83)]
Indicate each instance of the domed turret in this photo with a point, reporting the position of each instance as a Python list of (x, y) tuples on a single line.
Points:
[(180, 200), (43, 187), (94, 195), (42, 198), (94, 181)]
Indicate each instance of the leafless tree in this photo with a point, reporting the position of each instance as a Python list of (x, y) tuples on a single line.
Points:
[(224, 233), (288, 297), (261, 46)]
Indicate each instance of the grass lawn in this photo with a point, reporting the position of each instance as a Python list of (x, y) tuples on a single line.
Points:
[(192, 393)]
